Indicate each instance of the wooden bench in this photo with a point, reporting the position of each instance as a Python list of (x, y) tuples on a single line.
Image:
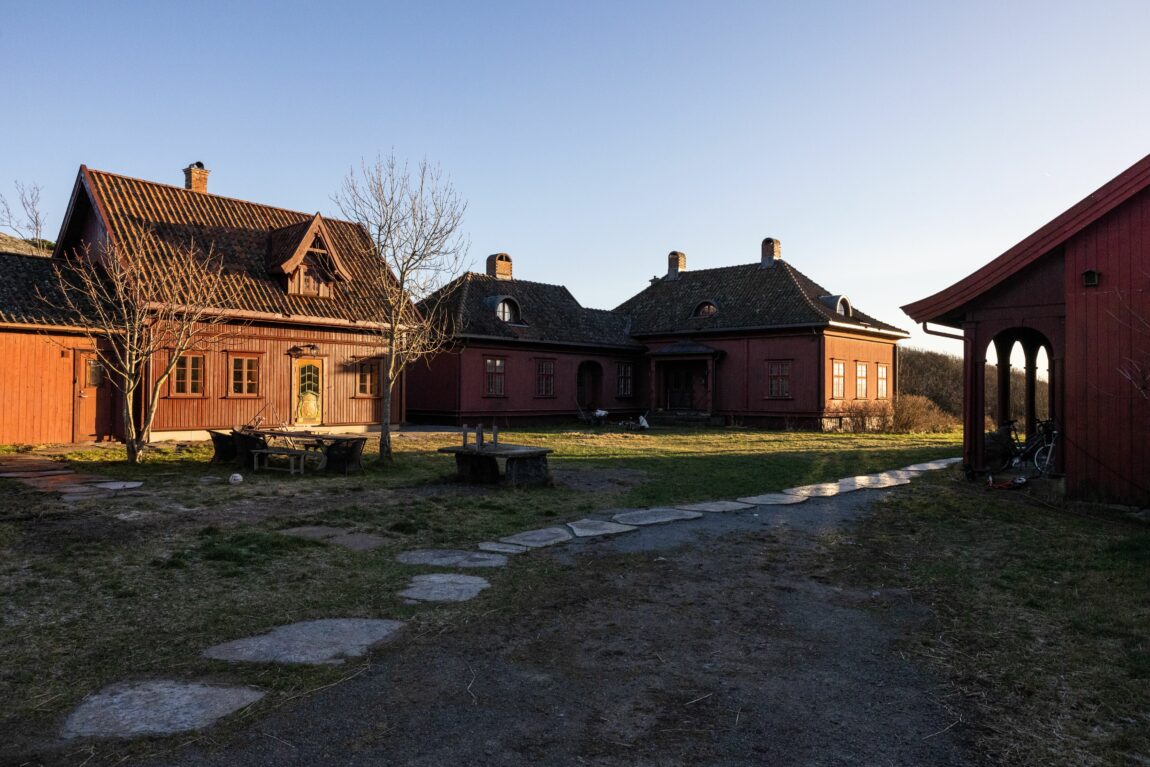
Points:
[(295, 458)]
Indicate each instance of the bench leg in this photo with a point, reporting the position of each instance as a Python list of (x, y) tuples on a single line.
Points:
[(478, 469), (527, 471)]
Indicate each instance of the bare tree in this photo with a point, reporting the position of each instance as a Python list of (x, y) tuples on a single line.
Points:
[(141, 318), (26, 222), (414, 219)]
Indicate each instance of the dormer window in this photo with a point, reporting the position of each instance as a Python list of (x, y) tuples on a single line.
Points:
[(309, 280), (706, 309), (841, 305), (306, 257), (507, 310)]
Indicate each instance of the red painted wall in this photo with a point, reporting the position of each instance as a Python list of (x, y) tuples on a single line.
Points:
[(451, 387), (36, 379), (1107, 331)]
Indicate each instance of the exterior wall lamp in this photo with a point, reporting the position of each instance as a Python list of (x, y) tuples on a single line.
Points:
[(303, 350)]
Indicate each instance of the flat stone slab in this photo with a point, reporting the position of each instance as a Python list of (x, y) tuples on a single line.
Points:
[(941, 463), (536, 539), (590, 528), (502, 548), (451, 558), (358, 541), (444, 587), (158, 707), (115, 485), (714, 507), (314, 532), (327, 641), (820, 490), (656, 516), (774, 499)]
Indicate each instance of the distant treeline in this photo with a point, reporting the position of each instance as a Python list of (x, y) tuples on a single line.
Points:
[(938, 377)]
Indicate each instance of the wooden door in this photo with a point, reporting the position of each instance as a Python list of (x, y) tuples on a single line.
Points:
[(307, 391), (88, 383), (680, 387)]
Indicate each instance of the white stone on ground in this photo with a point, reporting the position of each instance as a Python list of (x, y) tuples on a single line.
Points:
[(314, 642), (820, 490), (117, 485), (501, 548), (451, 558), (716, 506), (535, 539), (158, 707), (774, 499), (444, 587), (941, 463), (655, 516), (589, 528), (867, 482)]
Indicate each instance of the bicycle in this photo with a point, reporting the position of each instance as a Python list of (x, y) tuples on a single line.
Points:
[(1005, 449)]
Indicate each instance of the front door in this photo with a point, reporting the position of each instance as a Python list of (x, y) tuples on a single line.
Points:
[(680, 389), (88, 381), (307, 391)]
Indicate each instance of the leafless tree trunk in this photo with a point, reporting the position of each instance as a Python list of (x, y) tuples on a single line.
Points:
[(140, 316), (414, 219)]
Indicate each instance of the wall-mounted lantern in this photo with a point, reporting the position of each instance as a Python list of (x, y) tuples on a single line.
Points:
[(305, 350)]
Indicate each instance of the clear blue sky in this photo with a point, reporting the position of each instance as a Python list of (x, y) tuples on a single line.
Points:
[(893, 147)]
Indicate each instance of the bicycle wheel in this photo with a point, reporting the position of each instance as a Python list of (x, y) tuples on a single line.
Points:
[(1044, 459)]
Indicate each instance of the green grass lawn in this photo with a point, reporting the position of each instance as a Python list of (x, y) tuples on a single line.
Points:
[(102, 591), (1041, 615)]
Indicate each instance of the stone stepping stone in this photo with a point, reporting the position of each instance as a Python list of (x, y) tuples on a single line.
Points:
[(501, 548), (717, 506), (774, 499), (117, 485), (444, 587), (451, 558), (590, 528), (327, 641), (655, 516), (864, 482), (158, 707), (536, 539), (820, 490), (941, 463), (314, 532), (358, 541)]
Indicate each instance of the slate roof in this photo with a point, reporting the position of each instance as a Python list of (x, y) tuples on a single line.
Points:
[(23, 280), (548, 313), (747, 297), (241, 233)]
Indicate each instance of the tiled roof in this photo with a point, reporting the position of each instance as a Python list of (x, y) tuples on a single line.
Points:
[(25, 283), (746, 297), (548, 313), (241, 233)]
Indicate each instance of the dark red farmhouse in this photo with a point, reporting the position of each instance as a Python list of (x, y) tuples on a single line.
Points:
[(759, 343), (1078, 288)]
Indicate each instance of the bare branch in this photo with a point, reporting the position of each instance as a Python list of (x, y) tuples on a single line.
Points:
[(413, 219)]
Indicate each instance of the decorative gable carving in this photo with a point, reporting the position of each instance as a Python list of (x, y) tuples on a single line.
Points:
[(306, 255)]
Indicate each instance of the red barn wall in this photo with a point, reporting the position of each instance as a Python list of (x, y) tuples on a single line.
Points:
[(1108, 331), (36, 379)]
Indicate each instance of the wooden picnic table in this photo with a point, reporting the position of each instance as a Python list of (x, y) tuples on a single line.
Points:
[(331, 452)]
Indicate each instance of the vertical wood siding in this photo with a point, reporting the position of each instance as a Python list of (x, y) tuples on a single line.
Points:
[(36, 379)]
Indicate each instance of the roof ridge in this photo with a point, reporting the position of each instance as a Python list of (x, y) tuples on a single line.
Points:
[(486, 276), (220, 196)]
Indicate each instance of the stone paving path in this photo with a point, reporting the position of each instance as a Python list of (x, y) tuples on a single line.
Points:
[(50, 476), (166, 707)]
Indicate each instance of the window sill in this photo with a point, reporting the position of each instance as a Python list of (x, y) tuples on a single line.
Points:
[(367, 396), (494, 396), (233, 395), (187, 396)]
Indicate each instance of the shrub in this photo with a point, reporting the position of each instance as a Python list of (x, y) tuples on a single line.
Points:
[(916, 413)]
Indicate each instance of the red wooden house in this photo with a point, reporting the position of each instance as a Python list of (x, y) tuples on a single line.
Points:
[(524, 350), (759, 343), (1078, 288), (302, 347)]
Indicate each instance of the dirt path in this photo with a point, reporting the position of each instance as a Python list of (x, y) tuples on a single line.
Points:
[(712, 642)]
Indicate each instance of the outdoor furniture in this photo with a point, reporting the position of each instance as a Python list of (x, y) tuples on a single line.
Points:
[(330, 452), (478, 462), (246, 442), (294, 456), (225, 447), (345, 455)]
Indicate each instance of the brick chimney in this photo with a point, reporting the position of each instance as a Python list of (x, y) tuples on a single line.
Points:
[(772, 253), (499, 266), (676, 262), (196, 178)]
